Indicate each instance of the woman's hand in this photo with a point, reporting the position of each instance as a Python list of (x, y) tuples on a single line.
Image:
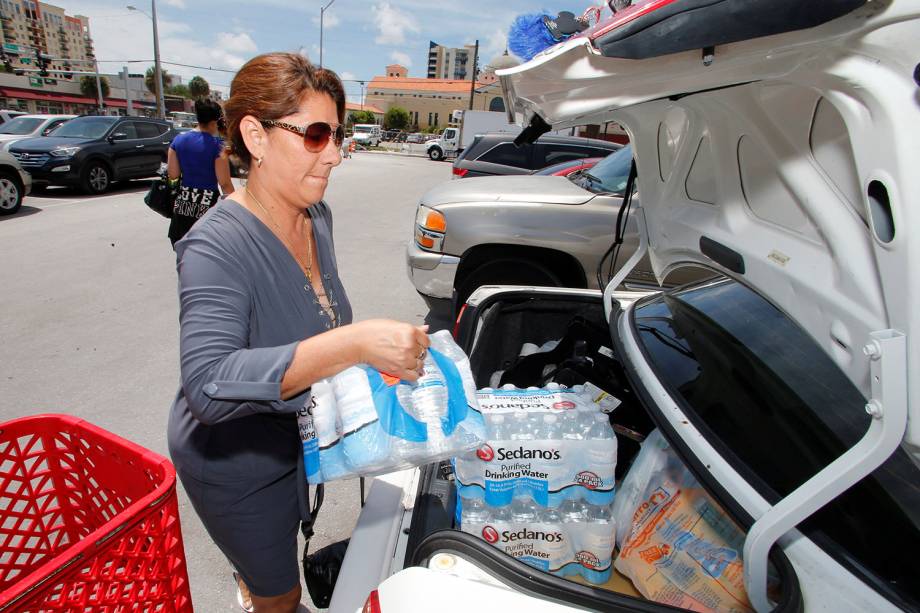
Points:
[(392, 347)]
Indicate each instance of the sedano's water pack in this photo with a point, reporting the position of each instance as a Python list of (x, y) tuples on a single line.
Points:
[(575, 539), (551, 444), (362, 422)]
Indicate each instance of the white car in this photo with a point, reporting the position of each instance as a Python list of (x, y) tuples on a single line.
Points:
[(775, 146), (367, 134), (15, 184), (29, 126)]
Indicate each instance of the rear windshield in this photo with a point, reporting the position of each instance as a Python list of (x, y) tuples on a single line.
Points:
[(21, 125), (610, 174), (86, 127), (780, 410), (508, 154)]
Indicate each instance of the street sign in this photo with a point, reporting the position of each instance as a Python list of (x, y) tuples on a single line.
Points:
[(36, 81)]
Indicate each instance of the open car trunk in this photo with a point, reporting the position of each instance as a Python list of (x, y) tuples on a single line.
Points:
[(492, 332)]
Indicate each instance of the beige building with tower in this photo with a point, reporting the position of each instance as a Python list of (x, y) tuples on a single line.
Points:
[(27, 25), (430, 101)]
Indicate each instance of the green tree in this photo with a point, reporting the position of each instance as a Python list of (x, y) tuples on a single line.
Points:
[(361, 117), (199, 88), (88, 86), (179, 90), (396, 118), (151, 83)]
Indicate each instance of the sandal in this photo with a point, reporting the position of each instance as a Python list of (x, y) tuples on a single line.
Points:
[(243, 596)]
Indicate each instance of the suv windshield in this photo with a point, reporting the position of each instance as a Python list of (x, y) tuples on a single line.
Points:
[(86, 127), (779, 410), (362, 128), (608, 175), (21, 125)]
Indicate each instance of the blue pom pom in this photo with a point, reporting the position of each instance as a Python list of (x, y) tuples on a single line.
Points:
[(528, 36)]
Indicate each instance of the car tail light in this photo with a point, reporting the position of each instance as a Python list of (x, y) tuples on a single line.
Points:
[(457, 323), (372, 604), (460, 172)]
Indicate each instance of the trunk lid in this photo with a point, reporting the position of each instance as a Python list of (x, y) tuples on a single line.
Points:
[(525, 188)]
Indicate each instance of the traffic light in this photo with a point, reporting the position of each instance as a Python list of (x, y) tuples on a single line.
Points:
[(42, 60)]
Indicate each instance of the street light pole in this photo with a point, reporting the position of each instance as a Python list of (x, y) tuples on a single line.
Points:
[(98, 87), (157, 70), (322, 10), (158, 77)]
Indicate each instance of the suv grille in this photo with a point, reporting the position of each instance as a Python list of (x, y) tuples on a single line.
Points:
[(30, 160)]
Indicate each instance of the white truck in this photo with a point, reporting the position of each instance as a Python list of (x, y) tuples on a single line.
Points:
[(465, 125), (367, 134)]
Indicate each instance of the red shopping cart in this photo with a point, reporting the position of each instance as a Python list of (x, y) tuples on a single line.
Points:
[(88, 521)]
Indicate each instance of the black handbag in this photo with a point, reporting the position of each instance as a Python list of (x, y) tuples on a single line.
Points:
[(161, 196)]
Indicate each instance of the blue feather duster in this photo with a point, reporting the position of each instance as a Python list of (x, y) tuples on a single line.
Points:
[(528, 36)]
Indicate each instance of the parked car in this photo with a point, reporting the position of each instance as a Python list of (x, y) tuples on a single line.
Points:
[(496, 154), (564, 169), (15, 184), (521, 230), (29, 126), (6, 115), (417, 138), (92, 151), (785, 163)]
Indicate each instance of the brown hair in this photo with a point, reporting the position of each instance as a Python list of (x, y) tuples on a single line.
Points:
[(271, 86)]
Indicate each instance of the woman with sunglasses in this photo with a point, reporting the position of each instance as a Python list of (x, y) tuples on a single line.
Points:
[(198, 161), (263, 315)]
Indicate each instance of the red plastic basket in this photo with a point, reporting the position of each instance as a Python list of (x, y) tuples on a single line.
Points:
[(88, 521)]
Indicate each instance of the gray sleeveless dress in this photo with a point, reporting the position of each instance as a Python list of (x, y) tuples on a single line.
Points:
[(245, 304)]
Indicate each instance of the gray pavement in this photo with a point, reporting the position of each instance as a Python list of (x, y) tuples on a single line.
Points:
[(89, 326)]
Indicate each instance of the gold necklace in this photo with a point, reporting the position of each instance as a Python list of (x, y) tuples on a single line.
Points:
[(309, 266)]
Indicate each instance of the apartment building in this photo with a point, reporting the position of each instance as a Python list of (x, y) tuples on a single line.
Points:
[(27, 25), (449, 62)]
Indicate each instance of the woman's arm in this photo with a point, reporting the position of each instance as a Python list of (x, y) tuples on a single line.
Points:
[(222, 168), (172, 162), (223, 378)]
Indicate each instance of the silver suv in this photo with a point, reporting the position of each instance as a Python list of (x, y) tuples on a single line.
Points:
[(523, 230)]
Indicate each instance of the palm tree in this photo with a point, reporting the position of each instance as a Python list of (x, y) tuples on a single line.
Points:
[(199, 88), (88, 86), (150, 82)]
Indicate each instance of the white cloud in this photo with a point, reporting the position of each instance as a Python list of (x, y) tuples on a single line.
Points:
[(330, 20), (347, 76), (401, 58), (238, 42), (493, 45), (393, 24), (179, 4)]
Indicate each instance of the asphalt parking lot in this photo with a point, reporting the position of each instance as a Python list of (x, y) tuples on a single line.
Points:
[(89, 323)]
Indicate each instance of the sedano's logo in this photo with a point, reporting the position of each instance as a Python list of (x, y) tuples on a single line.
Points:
[(564, 404), (522, 453), (485, 453), (490, 534), (530, 535)]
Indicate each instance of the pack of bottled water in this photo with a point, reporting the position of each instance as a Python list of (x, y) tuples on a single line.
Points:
[(363, 422), (551, 444), (574, 539)]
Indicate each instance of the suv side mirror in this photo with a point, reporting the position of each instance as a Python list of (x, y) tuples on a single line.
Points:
[(117, 136)]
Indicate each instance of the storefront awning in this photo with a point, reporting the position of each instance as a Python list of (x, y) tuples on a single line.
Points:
[(31, 94)]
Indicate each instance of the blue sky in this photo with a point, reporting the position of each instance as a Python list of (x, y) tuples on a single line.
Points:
[(360, 38)]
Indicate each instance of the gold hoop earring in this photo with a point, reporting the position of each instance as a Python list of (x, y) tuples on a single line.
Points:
[(259, 162)]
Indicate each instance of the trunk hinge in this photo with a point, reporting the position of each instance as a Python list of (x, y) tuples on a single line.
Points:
[(631, 263), (887, 353)]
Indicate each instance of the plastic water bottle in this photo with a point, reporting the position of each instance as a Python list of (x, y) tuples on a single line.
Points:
[(571, 428), (443, 342), (572, 511), (521, 430), (549, 428), (549, 515), (498, 429), (598, 514), (473, 514), (501, 514), (523, 511), (601, 430), (328, 430), (367, 445), (585, 421), (429, 397)]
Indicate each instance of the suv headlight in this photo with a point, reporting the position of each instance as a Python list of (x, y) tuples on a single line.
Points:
[(430, 228), (64, 152)]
